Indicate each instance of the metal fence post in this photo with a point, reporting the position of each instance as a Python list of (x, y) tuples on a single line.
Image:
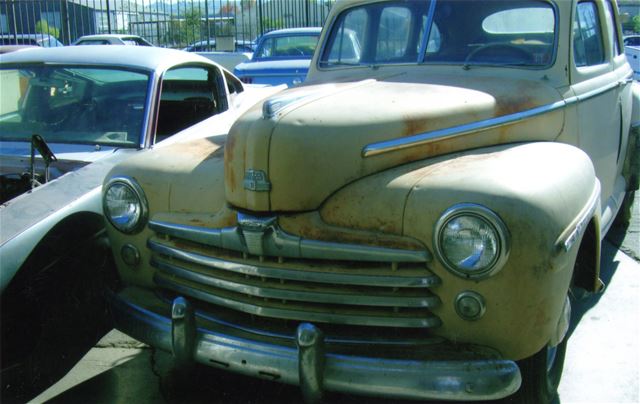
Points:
[(109, 18)]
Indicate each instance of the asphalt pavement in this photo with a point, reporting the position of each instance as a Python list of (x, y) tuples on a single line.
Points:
[(602, 363)]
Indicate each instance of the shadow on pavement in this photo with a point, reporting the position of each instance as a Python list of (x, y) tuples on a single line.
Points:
[(608, 267)]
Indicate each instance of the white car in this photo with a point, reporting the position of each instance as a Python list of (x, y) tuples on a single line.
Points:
[(67, 116), (632, 50), (112, 39)]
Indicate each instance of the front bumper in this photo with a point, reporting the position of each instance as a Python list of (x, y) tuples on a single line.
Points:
[(307, 359)]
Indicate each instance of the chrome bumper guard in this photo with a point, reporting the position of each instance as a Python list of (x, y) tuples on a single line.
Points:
[(308, 363)]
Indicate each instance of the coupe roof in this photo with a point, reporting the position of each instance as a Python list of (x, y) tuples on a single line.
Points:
[(148, 58), (294, 31)]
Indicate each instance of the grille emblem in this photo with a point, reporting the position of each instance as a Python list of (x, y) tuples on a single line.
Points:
[(253, 229), (256, 180)]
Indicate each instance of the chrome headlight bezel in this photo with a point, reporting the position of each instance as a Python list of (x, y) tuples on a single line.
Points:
[(492, 220), (142, 211)]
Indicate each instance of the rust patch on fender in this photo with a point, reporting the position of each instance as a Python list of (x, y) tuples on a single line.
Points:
[(198, 150), (229, 174), (519, 99)]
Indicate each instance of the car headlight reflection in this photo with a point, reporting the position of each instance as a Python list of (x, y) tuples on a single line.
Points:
[(471, 241), (125, 205)]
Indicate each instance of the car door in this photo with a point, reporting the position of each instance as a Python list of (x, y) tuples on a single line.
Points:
[(598, 75)]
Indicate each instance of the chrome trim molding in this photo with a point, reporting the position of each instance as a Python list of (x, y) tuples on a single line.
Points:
[(273, 241), (573, 232), (374, 149), (377, 148), (425, 281), (481, 378)]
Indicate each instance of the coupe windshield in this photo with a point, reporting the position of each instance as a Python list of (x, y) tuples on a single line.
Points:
[(467, 32), (71, 104)]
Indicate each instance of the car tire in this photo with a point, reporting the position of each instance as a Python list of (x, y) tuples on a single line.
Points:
[(541, 375)]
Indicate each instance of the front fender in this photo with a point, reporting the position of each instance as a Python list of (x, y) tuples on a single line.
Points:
[(28, 218), (545, 193)]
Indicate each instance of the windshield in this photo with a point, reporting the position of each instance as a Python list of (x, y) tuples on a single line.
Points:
[(467, 32), (71, 104), (288, 47)]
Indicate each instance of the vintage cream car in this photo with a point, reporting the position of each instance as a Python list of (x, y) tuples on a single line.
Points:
[(409, 223)]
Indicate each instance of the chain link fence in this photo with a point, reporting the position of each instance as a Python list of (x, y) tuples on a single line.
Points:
[(168, 23)]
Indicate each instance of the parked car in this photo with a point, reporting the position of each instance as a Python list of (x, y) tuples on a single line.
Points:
[(411, 222), (67, 116), (632, 40), (13, 48), (632, 50), (210, 46), (281, 57), (43, 40), (112, 39)]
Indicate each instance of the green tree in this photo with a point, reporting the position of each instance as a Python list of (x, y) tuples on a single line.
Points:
[(185, 30), (636, 23), (42, 27)]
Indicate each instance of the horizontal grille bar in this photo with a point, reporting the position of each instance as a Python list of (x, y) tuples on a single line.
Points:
[(259, 271), (421, 278), (296, 291), (302, 311), (273, 241)]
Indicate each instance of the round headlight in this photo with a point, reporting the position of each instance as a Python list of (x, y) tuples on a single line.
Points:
[(124, 204), (471, 241)]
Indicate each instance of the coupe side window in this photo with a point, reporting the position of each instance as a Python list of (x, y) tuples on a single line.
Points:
[(587, 36), (189, 95)]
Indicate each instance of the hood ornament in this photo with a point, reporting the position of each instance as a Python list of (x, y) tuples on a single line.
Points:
[(256, 180)]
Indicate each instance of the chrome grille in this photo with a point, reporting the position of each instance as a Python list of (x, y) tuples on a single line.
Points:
[(335, 291)]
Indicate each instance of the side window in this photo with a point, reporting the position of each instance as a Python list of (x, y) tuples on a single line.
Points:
[(343, 47), (393, 34), (613, 28), (188, 96), (587, 37)]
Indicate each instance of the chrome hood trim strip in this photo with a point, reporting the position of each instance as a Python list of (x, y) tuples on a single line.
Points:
[(374, 149)]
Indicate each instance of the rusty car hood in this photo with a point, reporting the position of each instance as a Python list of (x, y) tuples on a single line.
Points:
[(313, 143)]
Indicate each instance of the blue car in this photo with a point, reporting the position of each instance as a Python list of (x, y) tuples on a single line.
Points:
[(281, 57)]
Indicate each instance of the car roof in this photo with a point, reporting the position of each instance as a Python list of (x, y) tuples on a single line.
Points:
[(293, 31), (105, 36), (145, 57)]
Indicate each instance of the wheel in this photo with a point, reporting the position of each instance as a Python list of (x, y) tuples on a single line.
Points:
[(541, 375), (53, 312)]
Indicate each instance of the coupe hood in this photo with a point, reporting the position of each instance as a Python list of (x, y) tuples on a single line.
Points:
[(313, 142)]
